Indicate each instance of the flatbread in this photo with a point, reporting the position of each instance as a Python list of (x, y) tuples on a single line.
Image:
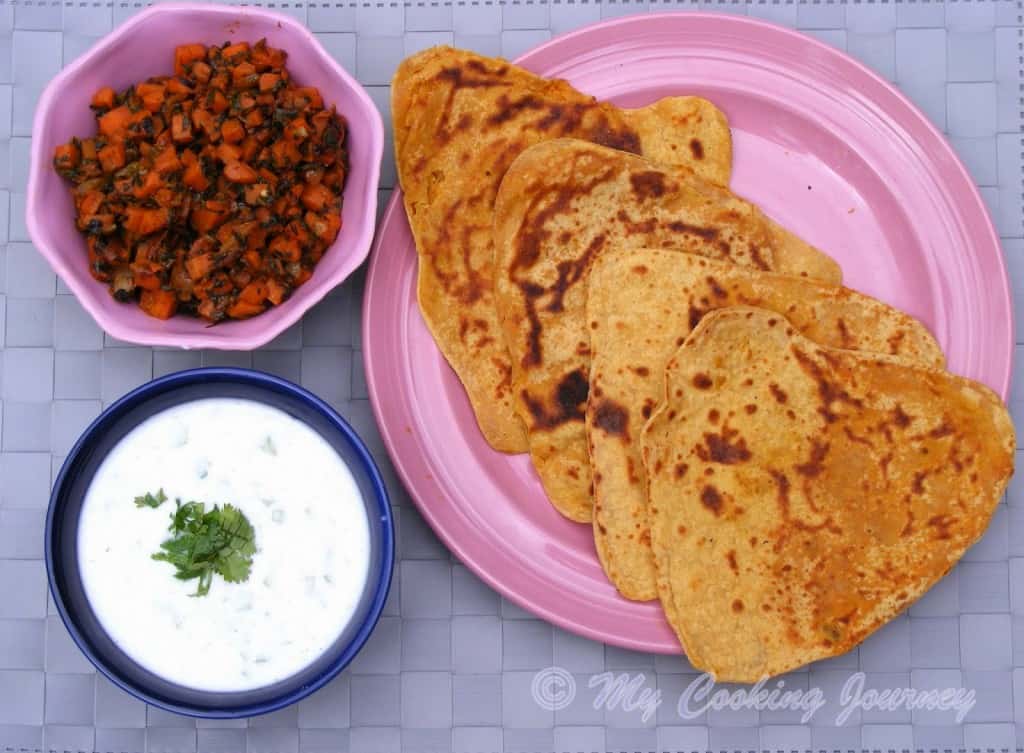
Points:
[(561, 205), (641, 305), (459, 121), (791, 533)]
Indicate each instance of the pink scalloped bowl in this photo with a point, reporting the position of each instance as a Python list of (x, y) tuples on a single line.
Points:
[(144, 47)]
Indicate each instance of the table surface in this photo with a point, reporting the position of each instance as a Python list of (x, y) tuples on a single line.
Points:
[(451, 664)]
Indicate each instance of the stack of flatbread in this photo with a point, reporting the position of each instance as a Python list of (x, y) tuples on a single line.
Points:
[(782, 461)]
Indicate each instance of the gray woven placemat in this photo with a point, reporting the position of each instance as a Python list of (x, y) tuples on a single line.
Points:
[(452, 666)]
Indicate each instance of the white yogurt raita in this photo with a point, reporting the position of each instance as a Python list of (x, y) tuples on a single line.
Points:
[(311, 534)]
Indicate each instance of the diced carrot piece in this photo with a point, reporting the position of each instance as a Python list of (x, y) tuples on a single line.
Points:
[(268, 57), (67, 156), (313, 175), (194, 178), (145, 251), (297, 130), (89, 204), (220, 80), (324, 227), (275, 291), (207, 309), (204, 220), (112, 157), (104, 98), (253, 259), (114, 123), (89, 150), (203, 121), (254, 292), (181, 128), (243, 310), (284, 153), (316, 197), (281, 206), (115, 251), (199, 266), (146, 274), (244, 76), (297, 230), (152, 96), (257, 238), (303, 275), (253, 118), (226, 236), (232, 131), (250, 149), (230, 52), (142, 221), (166, 197), (239, 172), (201, 71), (268, 81), (218, 102), (335, 177), (178, 88), (185, 55), (159, 303), (150, 185), (257, 194), (167, 161), (228, 153), (144, 127), (162, 134)]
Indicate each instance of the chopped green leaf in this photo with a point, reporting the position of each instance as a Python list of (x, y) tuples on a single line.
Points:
[(235, 559), (151, 500), (221, 540)]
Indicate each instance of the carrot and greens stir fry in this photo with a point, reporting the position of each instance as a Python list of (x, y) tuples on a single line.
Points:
[(212, 192)]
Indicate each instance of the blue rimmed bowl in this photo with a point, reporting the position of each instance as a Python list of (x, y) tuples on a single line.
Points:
[(85, 458)]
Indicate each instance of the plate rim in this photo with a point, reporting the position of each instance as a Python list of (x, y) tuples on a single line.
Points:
[(941, 147)]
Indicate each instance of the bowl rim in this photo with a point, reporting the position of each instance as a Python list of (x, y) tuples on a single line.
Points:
[(263, 380), (358, 245)]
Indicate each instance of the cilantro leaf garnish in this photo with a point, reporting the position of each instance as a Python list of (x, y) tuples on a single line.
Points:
[(151, 500), (202, 543)]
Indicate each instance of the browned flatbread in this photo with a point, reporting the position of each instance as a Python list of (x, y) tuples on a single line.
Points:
[(641, 305), (562, 205), (801, 496), (459, 121)]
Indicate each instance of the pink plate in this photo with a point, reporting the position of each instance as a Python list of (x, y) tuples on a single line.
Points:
[(825, 147)]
